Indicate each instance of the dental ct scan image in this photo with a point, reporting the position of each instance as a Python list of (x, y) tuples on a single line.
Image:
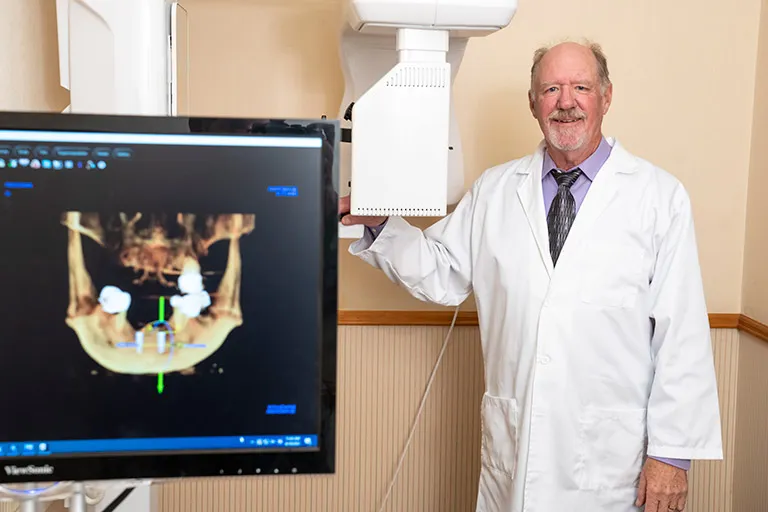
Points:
[(122, 323), (162, 293)]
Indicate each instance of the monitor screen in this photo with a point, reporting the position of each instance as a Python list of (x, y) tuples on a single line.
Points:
[(169, 296)]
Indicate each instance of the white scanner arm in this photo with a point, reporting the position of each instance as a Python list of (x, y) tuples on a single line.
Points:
[(399, 59), (115, 57), (463, 18)]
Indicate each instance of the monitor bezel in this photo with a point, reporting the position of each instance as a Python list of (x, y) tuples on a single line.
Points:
[(171, 465)]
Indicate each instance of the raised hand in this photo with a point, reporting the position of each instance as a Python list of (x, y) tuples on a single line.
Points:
[(351, 220)]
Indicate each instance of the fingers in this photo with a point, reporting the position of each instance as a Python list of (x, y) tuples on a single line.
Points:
[(652, 505), (344, 204), (660, 502), (641, 491), (351, 220), (676, 496), (677, 502), (657, 505)]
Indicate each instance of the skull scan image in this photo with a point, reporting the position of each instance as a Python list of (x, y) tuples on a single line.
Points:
[(164, 251)]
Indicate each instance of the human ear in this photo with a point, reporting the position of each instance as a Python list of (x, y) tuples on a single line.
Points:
[(531, 104), (607, 98)]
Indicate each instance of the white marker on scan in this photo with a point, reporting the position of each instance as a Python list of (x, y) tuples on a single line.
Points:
[(139, 342), (160, 342)]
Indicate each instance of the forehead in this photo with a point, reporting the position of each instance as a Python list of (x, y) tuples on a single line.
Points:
[(567, 66)]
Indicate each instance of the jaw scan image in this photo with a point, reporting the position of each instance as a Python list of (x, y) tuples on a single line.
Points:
[(166, 313)]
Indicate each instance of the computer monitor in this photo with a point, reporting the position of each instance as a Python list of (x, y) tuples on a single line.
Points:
[(169, 296)]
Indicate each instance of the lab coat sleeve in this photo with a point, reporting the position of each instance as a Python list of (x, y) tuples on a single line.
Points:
[(683, 410), (433, 265)]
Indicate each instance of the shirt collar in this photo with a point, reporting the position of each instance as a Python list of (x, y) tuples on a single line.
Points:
[(589, 167)]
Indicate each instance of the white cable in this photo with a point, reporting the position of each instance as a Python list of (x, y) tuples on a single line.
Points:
[(421, 409)]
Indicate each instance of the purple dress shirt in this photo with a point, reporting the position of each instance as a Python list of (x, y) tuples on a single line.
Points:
[(589, 168)]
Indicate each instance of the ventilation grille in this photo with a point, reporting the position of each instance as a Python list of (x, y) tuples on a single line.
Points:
[(405, 212), (423, 76)]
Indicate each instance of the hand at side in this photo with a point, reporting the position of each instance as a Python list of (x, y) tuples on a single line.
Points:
[(662, 487)]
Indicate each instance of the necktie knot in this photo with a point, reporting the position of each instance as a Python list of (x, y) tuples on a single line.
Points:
[(566, 179)]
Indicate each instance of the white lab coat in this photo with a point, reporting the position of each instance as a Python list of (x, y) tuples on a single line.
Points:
[(580, 385)]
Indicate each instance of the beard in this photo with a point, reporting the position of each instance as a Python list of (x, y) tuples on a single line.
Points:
[(566, 129)]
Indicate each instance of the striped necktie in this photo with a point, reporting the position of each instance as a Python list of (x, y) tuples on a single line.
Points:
[(562, 212)]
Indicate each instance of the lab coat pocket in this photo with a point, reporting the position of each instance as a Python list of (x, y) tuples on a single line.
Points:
[(611, 448), (499, 434)]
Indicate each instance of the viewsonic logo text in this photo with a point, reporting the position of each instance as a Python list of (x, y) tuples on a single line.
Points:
[(28, 470)]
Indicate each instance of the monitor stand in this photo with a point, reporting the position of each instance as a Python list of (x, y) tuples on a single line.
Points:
[(34, 502), (134, 495)]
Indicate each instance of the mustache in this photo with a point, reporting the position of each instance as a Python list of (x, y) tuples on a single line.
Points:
[(571, 114)]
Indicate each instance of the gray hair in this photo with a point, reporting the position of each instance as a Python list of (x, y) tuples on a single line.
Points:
[(597, 52)]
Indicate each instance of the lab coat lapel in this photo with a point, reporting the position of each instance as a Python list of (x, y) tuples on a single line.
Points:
[(601, 193), (531, 196)]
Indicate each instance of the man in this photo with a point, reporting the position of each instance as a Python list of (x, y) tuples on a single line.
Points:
[(600, 383)]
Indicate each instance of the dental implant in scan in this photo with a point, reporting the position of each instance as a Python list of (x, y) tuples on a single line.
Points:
[(156, 311)]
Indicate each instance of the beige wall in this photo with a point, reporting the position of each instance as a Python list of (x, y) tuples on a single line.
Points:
[(268, 58), (29, 76), (28, 57), (751, 450), (755, 293), (245, 56)]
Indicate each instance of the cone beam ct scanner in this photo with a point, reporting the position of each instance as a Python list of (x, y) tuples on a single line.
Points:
[(401, 151)]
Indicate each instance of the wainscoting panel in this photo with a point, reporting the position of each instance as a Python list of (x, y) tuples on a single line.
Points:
[(382, 374), (750, 477), (383, 371), (711, 482)]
